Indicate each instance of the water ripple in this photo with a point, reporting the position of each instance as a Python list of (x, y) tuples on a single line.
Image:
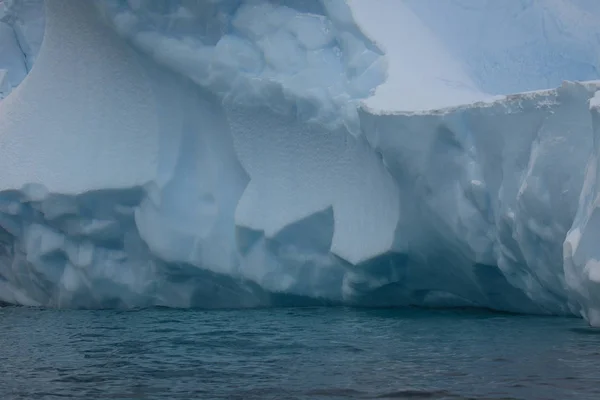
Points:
[(316, 353)]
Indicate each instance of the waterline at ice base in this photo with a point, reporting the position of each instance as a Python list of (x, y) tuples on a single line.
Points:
[(256, 153)]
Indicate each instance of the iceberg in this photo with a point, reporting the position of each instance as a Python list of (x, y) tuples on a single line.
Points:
[(231, 153)]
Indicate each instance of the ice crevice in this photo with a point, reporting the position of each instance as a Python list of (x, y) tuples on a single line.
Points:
[(182, 154)]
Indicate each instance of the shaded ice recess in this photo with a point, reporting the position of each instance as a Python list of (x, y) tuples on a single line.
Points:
[(261, 153)]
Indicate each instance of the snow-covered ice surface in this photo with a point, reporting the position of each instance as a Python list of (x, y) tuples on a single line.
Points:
[(512, 46), (231, 153), (422, 73), (451, 52)]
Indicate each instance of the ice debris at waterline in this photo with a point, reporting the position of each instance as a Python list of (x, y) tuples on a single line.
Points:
[(253, 153)]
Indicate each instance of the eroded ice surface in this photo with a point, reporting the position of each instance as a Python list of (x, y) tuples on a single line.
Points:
[(247, 153)]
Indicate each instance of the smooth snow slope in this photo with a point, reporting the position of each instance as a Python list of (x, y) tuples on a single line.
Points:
[(422, 73), (512, 46), (451, 52), (195, 157)]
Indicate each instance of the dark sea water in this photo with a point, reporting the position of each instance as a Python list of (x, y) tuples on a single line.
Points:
[(305, 353)]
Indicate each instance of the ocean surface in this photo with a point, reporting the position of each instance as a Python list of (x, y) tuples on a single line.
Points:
[(302, 353)]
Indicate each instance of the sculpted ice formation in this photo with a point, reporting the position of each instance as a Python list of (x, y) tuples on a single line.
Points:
[(310, 61), (250, 153)]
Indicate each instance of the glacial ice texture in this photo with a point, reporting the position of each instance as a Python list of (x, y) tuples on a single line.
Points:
[(252, 153)]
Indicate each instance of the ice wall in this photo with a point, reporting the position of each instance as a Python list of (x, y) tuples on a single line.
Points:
[(494, 186), (182, 154), (580, 248)]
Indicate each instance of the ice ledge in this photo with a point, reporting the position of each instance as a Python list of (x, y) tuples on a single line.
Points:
[(543, 97), (315, 65)]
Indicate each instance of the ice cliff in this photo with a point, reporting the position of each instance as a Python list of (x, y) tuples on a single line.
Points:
[(230, 153)]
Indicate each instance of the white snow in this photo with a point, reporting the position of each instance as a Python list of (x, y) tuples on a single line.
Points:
[(512, 46), (451, 52), (422, 73)]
